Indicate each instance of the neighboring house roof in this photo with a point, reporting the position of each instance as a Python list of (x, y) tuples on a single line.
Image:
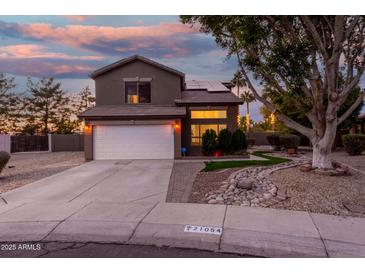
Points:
[(126, 111), (205, 97), (362, 116), (125, 61)]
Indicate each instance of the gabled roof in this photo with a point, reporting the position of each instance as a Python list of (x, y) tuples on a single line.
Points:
[(125, 61)]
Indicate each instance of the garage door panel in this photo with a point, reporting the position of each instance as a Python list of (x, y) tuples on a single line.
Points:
[(133, 142)]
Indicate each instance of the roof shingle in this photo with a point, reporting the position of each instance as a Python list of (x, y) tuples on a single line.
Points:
[(126, 111)]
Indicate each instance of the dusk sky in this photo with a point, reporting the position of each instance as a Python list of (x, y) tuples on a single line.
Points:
[(71, 47)]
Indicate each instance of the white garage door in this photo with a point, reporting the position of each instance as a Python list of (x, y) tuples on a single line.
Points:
[(133, 142)]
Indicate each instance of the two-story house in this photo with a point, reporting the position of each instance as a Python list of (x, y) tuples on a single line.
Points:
[(145, 110)]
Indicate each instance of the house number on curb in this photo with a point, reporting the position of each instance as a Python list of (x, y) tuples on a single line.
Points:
[(203, 229)]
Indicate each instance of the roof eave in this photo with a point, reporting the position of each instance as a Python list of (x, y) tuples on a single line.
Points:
[(127, 60)]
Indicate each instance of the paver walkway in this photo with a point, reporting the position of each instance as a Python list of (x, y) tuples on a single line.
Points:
[(181, 181)]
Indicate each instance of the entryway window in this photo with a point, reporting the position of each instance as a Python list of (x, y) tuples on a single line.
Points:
[(197, 131), (138, 92), (208, 114)]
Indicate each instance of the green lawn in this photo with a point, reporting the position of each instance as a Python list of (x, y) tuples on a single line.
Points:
[(210, 166)]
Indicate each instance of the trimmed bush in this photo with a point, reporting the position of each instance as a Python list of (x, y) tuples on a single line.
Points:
[(289, 141), (239, 140), (4, 159), (274, 140), (209, 142), (354, 143), (225, 140)]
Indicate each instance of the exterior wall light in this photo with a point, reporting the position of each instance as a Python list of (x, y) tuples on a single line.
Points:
[(176, 124), (87, 129)]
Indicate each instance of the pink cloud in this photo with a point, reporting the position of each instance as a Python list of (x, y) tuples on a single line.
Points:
[(80, 35), (40, 68), (29, 51), (64, 69), (77, 18)]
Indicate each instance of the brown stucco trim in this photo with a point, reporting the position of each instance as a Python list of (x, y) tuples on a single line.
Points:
[(88, 144), (207, 103), (140, 117)]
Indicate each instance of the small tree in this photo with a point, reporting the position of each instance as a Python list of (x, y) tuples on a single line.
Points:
[(238, 140), (225, 140), (209, 142), (10, 105), (47, 104)]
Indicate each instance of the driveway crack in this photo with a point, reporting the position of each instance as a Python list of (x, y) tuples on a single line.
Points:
[(61, 222), (320, 236), (140, 221), (2, 198), (224, 220)]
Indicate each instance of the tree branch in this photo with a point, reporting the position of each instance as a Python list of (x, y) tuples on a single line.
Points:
[(311, 29), (289, 122), (351, 26), (354, 82), (352, 108)]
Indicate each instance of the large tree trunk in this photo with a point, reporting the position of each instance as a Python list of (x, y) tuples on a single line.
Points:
[(322, 148), (321, 156)]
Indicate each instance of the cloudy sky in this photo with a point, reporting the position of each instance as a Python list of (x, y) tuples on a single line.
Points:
[(70, 47)]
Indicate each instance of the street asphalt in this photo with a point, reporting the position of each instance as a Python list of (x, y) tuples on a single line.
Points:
[(99, 250)]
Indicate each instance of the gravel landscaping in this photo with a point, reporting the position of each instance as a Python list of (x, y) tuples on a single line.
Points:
[(308, 191), (25, 168), (283, 186), (208, 181)]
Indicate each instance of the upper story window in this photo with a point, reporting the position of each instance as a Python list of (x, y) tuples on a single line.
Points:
[(208, 114), (138, 92)]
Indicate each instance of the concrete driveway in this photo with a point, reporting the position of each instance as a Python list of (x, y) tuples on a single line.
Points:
[(110, 196), (107, 181)]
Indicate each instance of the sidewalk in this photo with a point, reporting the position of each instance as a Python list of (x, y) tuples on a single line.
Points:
[(249, 231)]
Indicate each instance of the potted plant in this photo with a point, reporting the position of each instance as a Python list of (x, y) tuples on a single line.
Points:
[(290, 142)]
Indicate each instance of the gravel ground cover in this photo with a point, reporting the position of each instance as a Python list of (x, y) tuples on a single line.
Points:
[(316, 193), (25, 168), (357, 161), (208, 181)]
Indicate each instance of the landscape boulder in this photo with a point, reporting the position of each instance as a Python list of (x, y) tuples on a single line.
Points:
[(246, 183)]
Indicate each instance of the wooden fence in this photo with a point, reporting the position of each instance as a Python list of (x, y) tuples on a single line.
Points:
[(24, 143)]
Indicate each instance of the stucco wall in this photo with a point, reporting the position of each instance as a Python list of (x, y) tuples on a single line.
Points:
[(110, 87)]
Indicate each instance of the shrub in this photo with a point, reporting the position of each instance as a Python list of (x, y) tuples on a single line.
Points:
[(354, 143), (238, 140), (225, 140), (289, 141), (274, 140), (209, 142), (4, 159)]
